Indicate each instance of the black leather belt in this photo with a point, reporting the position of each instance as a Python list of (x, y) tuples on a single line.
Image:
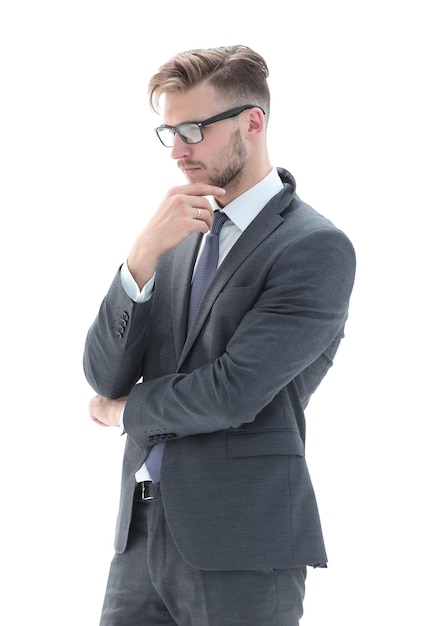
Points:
[(147, 491)]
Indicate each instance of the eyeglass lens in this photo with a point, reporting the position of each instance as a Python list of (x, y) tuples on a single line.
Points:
[(190, 133)]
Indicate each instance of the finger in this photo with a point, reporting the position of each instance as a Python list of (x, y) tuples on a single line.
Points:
[(195, 203), (199, 189), (97, 421), (204, 215), (197, 208)]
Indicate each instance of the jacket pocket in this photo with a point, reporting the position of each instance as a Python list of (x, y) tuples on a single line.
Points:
[(264, 443)]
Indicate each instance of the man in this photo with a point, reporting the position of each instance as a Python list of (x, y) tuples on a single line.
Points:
[(209, 376)]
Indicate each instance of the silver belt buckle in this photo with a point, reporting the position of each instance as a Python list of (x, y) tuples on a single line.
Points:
[(144, 497)]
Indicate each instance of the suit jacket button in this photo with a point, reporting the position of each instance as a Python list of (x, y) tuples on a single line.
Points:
[(118, 335), (171, 436)]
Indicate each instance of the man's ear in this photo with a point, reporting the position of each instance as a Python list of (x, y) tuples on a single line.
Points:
[(255, 123)]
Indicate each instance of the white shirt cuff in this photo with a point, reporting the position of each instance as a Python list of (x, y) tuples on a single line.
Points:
[(131, 287)]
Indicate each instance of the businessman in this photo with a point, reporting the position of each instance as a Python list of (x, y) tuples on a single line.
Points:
[(206, 349)]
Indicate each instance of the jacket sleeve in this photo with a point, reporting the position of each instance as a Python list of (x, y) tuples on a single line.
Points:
[(113, 353)]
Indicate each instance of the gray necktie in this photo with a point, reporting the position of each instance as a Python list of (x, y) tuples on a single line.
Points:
[(206, 266), (204, 272)]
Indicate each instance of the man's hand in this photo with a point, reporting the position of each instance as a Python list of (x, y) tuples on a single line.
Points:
[(106, 412), (184, 210)]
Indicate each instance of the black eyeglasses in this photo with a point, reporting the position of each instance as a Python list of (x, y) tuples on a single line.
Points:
[(192, 132)]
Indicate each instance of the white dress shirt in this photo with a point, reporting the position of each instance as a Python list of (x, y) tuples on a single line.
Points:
[(241, 212)]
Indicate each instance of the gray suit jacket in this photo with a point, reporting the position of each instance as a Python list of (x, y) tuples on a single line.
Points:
[(229, 399)]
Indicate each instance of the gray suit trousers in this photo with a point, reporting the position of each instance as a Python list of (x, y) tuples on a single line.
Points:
[(150, 584)]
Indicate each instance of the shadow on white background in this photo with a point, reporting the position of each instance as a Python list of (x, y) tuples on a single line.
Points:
[(81, 171)]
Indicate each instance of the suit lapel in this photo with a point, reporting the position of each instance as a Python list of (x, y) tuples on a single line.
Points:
[(183, 264), (261, 227)]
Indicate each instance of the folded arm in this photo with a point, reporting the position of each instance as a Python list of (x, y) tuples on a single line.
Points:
[(298, 315)]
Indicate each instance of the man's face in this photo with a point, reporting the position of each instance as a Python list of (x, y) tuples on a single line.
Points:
[(222, 155)]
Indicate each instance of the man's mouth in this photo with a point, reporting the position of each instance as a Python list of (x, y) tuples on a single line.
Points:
[(188, 167)]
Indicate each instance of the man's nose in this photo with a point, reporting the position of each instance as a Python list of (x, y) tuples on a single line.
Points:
[(180, 148)]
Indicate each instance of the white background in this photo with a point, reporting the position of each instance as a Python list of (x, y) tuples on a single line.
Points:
[(81, 170)]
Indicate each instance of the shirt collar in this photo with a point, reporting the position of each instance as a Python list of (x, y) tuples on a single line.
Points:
[(246, 207)]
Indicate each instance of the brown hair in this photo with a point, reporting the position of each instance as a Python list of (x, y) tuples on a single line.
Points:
[(238, 73)]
